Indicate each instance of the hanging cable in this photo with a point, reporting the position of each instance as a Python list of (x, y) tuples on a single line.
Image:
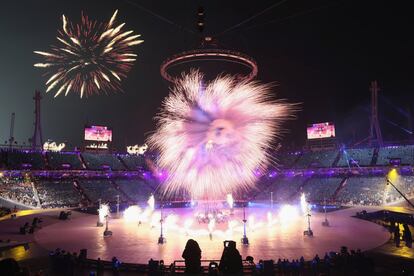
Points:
[(251, 17), (301, 13), (162, 18)]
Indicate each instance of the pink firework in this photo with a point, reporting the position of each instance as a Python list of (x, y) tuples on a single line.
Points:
[(90, 57), (213, 137)]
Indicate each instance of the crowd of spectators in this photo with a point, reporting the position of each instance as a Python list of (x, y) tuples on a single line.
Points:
[(17, 190), (60, 193), (363, 191)]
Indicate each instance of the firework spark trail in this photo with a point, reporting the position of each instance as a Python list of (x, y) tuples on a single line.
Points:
[(90, 57), (213, 137)]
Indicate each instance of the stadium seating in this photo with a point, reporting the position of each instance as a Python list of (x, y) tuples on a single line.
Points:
[(58, 193), (317, 159), (287, 160), (64, 160), (405, 153), (25, 160), (403, 183), (363, 191), (137, 190), (283, 189), (133, 162), (318, 190), (17, 190), (101, 189), (362, 157), (102, 161)]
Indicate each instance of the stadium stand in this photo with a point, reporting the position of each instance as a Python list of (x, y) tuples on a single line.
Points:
[(133, 162), (287, 160), (318, 190), (363, 191), (404, 153), (17, 190), (25, 160), (64, 160), (59, 193), (101, 189), (102, 161), (317, 159), (356, 157), (136, 190), (283, 189), (405, 184)]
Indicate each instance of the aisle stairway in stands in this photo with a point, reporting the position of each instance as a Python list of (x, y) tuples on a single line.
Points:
[(82, 161), (79, 188), (120, 190), (374, 157), (341, 185), (36, 195), (123, 163)]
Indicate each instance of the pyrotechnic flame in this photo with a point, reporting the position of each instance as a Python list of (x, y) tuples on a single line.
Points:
[(303, 203), (103, 211), (213, 137), (151, 202), (230, 201), (92, 56), (132, 213)]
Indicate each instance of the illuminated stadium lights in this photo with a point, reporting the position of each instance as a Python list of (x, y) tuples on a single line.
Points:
[(196, 55), (393, 175), (52, 146), (137, 149)]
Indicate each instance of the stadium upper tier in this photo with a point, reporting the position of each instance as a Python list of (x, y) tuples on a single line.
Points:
[(341, 158), (70, 179)]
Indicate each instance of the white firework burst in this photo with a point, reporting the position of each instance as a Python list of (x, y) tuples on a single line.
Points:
[(212, 138)]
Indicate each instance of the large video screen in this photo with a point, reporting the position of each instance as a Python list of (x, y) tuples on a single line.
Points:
[(321, 130), (98, 133)]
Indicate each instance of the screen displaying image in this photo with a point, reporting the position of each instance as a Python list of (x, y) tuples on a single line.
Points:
[(321, 130), (98, 133)]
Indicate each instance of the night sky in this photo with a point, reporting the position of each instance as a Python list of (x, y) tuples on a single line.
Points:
[(322, 54)]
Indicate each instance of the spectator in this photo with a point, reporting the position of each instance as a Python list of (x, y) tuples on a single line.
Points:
[(231, 260), (192, 257)]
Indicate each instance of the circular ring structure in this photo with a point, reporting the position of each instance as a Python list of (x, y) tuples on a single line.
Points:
[(209, 55)]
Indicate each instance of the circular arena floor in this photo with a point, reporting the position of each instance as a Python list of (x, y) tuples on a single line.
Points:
[(282, 239)]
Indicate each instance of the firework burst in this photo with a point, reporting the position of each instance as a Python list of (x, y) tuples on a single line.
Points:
[(90, 57), (213, 137)]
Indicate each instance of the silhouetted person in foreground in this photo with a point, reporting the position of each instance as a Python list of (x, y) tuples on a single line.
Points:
[(231, 260), (192, 257)]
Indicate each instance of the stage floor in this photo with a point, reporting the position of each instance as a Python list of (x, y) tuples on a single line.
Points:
[(283, 239)]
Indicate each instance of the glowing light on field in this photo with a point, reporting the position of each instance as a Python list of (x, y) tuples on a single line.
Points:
[(103, 212), (393, 175), (151, 202), (230, 200), (187, 225), (211, 225), (132, 213), (288, 213), (303, 203), (269, 218)]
